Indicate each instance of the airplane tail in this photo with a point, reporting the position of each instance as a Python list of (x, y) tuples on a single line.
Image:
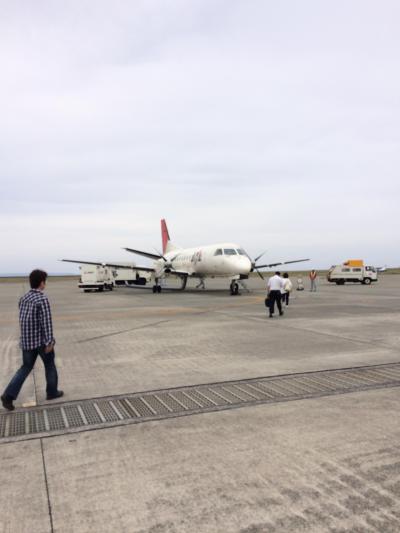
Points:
[(167, 246)]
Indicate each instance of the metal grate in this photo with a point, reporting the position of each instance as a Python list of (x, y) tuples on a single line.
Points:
[(70, 417)]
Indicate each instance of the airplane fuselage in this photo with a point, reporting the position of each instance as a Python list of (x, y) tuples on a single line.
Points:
[(222, 259), (225, 259)]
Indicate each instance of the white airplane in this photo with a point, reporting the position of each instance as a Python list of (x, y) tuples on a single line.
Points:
[(227, 260), (381, 269)]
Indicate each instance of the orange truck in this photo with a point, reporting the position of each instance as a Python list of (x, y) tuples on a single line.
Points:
[(352, 270)]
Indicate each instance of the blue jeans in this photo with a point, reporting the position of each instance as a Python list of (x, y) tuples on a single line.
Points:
[(28, 362)]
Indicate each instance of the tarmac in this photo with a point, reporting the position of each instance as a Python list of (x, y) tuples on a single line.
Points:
[(324, 464)]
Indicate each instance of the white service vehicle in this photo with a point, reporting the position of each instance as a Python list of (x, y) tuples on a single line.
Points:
[(126, 276), (96, 278), (340, 274)]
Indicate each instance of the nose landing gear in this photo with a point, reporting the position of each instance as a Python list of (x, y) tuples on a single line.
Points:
[(234, 288)]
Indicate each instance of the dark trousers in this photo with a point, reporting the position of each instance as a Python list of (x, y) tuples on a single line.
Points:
[(275, 296), (28, 362), (285, 297)]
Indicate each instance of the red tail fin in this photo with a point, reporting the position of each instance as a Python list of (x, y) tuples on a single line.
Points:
[(164, 235)]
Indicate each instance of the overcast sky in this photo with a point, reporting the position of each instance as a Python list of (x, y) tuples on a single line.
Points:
[(271, 124)]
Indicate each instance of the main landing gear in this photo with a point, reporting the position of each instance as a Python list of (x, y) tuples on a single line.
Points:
[(234, 288), (201, 284), (184, 281), (156, 287)]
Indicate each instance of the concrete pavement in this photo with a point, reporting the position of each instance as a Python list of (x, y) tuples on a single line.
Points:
[(327, 464)]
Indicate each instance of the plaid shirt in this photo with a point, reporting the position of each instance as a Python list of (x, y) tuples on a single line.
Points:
[(35, 320)]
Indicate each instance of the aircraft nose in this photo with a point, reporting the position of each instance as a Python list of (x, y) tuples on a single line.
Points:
[(244, 265)]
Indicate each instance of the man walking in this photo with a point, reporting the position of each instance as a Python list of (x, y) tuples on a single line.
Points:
[(36, 339), (274, 287), (313, 280)]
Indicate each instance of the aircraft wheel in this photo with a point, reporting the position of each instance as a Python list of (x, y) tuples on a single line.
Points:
[(234, 289), (158, 288), (154, 289)]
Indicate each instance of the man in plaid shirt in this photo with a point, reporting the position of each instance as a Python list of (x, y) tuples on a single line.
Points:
[(36, 339)]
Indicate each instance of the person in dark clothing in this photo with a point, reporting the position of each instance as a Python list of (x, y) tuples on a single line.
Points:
[(36, 339)]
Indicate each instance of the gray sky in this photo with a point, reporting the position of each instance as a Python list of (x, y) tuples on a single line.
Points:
[(271, 124)]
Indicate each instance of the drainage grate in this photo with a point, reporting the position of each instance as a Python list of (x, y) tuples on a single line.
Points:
[(76, 416)]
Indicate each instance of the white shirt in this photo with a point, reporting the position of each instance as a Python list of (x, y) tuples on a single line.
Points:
[(287, 284), (275, 283)]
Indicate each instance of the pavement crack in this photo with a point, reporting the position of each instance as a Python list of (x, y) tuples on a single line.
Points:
[(144, 326), (47, 487)]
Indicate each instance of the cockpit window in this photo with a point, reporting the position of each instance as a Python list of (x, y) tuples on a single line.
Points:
[(218, 251), (241, 252), (229, 251)]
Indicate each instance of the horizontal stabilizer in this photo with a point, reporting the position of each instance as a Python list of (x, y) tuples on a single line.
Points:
[(145, 254), (111, 265)]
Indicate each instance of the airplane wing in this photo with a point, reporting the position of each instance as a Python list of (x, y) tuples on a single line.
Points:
[(282, 263), (145, 254), (112, 265)]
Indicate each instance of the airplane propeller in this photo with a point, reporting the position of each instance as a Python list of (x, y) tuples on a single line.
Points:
[(168, 262), (254, 265), (161, 255)]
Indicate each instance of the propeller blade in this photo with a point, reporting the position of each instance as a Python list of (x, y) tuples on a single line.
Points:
[(259, 273), (282, 263), (258, 257), (295, 261), (269, 265), (145, 254), (160, 254)]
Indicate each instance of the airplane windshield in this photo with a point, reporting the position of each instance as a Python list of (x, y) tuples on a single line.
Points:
[(241, 252), (229, 251)]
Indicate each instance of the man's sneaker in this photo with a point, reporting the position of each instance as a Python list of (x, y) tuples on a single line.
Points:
[(58, 394), (280, 313), (7, 403)]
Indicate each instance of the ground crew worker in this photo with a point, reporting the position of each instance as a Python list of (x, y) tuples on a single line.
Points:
[(313, 280)]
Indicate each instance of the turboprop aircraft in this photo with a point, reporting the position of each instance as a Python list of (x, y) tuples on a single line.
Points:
[(227, 260)]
